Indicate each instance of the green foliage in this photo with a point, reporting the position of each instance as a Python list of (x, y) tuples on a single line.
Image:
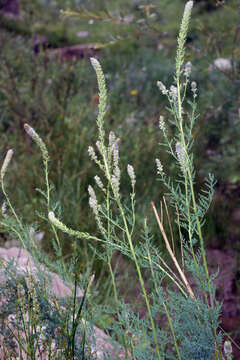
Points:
[(44, 322), (58, 99)]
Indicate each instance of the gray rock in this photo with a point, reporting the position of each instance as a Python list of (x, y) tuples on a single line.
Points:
[(221, 64), (11, 6), (26, 265)]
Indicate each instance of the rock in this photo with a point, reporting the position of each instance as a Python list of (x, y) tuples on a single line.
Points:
[(127, 19), (160, 47), (11, 243), (25, 263), (227, 290), (74, 52), (35, 237), (82, 34), (225, 280), (40, 42), (100, 345), (236, 216), (221, 64), (10, 7)]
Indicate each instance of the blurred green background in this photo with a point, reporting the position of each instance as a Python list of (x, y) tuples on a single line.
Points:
[(46, 80)]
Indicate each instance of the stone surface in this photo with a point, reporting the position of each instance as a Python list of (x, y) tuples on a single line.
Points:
[(221, 64), (73, 52), (25, 263), (228, 291), (82, 34), (10, 7)]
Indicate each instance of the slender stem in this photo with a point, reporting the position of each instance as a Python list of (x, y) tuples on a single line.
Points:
[(140, 279), (110, 264), (45, 162), (164, 305), (170, 225), (172, 331), (10, 205), (189, 179)]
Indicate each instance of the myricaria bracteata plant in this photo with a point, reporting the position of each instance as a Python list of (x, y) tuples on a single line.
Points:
[(182, 315)]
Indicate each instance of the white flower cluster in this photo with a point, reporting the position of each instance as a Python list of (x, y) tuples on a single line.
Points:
[(93, 156), (162, 123), (173, 93), (228, 349), (92, 153), (131, 174), (110, 166), (93, 203), (159, 167), (4, 208), (188, 69), (162, 88), (194, 88), (115, 178), (112, 139), (32, 133), (99, 183), (96, 65), (189, 6), (181, 155), (101, 149), (115, 152), (6, 162)]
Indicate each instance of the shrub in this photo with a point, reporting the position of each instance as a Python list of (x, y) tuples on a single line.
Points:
[(182, 317)]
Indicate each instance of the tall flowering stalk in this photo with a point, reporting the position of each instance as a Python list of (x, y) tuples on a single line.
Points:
[(192, 211), (113, 173), (115, 227)]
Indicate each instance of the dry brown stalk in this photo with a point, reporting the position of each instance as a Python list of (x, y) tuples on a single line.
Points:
[(188, 287)]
